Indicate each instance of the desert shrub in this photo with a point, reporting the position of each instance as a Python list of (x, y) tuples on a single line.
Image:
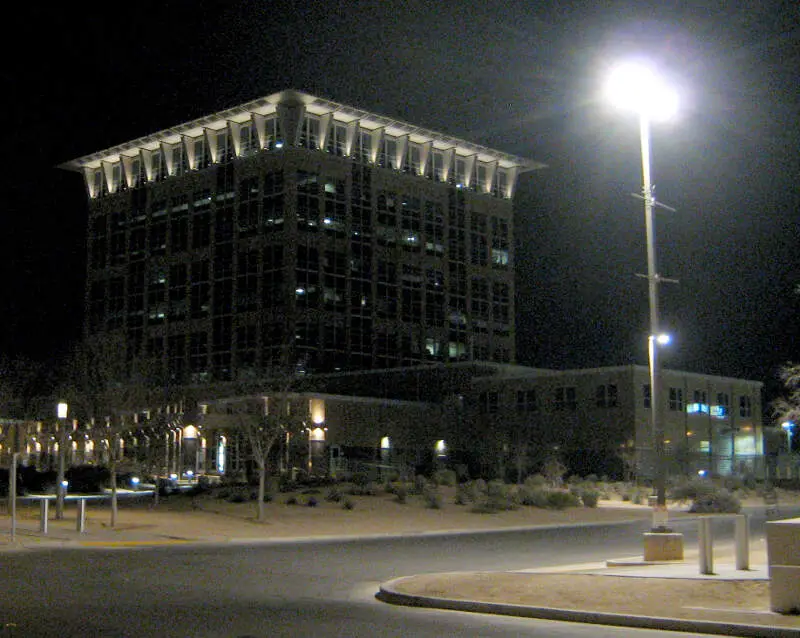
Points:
[(310, 490), (560, 499), (592, 478), (445, 477), (500, 496), (348, 504), (534, 496), (359, 479), (478, 488), (334, 494), (534, 481), (420, 483), (222, 493), (401, 493), (718, 501), (691, 490), (433, 499), (590, 497), (461, 498), (311, 502), (292, 500), (553, 471), (574, 479)]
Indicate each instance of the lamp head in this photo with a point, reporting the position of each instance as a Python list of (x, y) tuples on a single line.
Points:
[(635, 86)]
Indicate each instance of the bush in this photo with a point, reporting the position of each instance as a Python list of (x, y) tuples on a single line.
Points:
[(559, 500), (292, 500), (401, 493), (348, 504), (590, 497), (535, 480), (691, 490), (359, 479), (237, 497), (420, 483), (445, 477), (718, 501), (433, 499), (461, 498), (334, 495), (311, 502), (534, 496), (499, 496)]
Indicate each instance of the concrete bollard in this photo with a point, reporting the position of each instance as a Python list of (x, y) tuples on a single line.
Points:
[(706, 542), (43, 507), (742, 538), (81, 518)]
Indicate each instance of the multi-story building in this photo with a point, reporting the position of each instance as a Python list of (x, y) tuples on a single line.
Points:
[(293, 231)]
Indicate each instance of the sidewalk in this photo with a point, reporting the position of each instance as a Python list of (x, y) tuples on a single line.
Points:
[(624, 592)]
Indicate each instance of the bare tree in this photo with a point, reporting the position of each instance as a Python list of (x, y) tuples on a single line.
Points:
[(106, 389), (787, 407)]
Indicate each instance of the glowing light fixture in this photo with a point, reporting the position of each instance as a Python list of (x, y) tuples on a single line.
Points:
[(636, 87)]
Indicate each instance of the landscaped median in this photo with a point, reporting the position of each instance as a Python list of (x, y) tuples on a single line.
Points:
[(723, 607)]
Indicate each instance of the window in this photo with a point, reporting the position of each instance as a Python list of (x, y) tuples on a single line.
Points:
[(646, 396), (676, 399), (745, 406), (606, 396), (565, 398), (723, 405), (526, 401)]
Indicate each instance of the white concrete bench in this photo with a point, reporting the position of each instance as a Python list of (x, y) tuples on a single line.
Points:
[(783, 556)]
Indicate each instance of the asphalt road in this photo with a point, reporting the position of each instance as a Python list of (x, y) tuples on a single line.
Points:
[(288, 589)]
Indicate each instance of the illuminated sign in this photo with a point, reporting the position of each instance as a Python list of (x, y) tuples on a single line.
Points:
[(697, 408), (719, 411)]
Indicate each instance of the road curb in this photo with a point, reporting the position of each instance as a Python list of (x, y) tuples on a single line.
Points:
[(389, 594)]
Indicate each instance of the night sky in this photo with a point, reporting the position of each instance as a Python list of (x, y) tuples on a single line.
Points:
[(520, 76)]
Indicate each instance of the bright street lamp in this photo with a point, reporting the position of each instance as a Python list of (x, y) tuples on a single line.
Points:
[(635, 87)]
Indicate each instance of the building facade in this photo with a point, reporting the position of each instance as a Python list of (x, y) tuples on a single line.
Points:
[(599, 419), (297, 232)]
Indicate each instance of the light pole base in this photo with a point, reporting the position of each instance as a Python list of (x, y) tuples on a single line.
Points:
[(661, 546)]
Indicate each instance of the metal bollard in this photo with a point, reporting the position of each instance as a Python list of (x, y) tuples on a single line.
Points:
[(81, 518), (706, 541), (43, 507), (742, 539)]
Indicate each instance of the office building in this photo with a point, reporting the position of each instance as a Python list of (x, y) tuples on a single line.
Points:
[(293, 232)]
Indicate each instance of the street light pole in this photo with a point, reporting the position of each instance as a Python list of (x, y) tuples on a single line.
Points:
[(62, 410), (652, 290), (636, 87)]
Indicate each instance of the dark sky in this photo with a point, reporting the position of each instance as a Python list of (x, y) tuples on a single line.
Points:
[(520, 76)]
